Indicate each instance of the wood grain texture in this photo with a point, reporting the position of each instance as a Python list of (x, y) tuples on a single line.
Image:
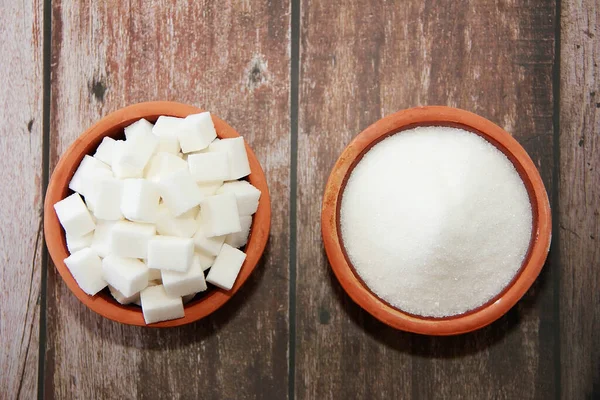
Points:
[(579, 199), (21, 197), (361, 60), (230, 58)]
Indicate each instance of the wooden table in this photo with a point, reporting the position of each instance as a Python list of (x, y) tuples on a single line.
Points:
[(299, 79)]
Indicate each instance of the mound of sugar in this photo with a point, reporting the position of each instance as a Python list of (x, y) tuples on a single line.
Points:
[(435, 220)]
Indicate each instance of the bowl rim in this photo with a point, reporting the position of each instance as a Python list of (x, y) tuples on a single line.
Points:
[(111, 125), (352, 283)]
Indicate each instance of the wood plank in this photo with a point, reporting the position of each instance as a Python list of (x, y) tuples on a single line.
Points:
[(232, 59), (21, 238), (579, 199), (361, 60)]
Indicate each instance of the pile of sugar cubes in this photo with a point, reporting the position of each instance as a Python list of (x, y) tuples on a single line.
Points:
[(159, 210)]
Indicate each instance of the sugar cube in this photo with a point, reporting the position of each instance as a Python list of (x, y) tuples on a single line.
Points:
[(226, 267), (166, 129), (239, 239), (139, 202), (166, 126), (246, 195), (121, 298), (79, 242), (180, 192), (219, 215), (74, 216), (239, 166), (185, 283), (209, 188), (139, 128), (196, 132), (206, 260), (158, 306), (83, 173), (105, 150), (101, 239), (168, 144), (170, 253), (127, 275), (183, 226), (209, 167), (91, 185), (86, 268), (107, 199), (130, 239), (162, 164), (210, 245), (131, 157)]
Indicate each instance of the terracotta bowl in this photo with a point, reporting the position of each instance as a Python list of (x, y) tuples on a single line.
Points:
[(112, 125), (352, 283)]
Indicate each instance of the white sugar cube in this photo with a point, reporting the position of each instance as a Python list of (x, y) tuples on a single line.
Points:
[(209, 167), (158, 306), (196, 132), (121, 298), (79, 242), (83, 173), (209, 245), (239, 239), (209, 188), (162, 164), (107, 198), (105, 150), (127, 275), (246, 195), (166, 129), (130, 239), (166, 126), (131, 157), (92, 187), (170, 253), (168, 144), (239, 166), (185, 283), (101, 239), (74, 216), (206, 260), (183, 226), (139, 202), (226, 267), (180, 192), (219, 215), (86, 268), (139, 128)]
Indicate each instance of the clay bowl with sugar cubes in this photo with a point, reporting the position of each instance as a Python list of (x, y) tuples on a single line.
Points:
[(435, 221), (157, 214)]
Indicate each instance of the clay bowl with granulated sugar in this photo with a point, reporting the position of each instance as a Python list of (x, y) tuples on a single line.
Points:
[(345, 272), (112, 125)]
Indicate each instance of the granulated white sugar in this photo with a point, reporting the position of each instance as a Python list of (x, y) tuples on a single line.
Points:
[(435, 220)]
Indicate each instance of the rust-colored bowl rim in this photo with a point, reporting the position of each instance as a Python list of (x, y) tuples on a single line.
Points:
[(112, 125), (358, 290)]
